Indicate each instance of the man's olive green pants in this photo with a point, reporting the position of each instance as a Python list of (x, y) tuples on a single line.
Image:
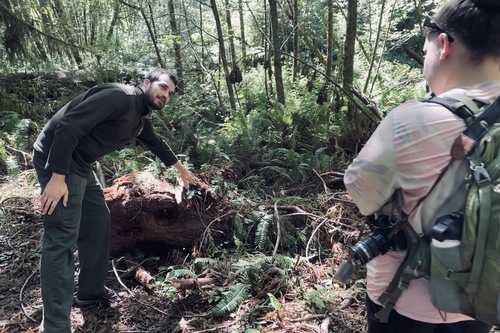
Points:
[(83, 223)]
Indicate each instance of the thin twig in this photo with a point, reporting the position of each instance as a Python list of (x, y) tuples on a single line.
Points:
[(21, 296), (319, 176), (133, 268), (278, 228), (312, 235), (14, 235)]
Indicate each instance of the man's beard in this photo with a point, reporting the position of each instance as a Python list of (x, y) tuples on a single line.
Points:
[(151, 101)]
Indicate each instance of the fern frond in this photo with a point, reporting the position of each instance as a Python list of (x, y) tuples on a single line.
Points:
[(264, 232), (250, 270), (231, 300), (203, 261), (281, 172), (283, 262), (239, 232), (176, 273), (8, 121)]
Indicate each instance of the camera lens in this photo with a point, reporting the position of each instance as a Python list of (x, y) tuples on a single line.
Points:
[(370, 247)]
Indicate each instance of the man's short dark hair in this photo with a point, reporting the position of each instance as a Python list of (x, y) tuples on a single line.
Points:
[(155, 73)]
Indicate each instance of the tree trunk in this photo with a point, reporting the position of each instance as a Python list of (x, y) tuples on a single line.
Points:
[(296, 49), (329, 57), (144, 209), (278, 76), (230, 30), (242, 30), (222, 51), (114, 20), (177, 46), (350, 42), (375, 47)]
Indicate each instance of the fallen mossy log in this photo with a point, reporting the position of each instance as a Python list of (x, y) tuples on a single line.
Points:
[(145, 209)]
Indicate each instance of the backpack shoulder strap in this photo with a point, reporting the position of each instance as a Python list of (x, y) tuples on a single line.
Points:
[(478, 116), (464, 108)]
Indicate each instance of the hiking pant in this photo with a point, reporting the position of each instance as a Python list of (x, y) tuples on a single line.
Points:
[(398, 323), (84, 222)]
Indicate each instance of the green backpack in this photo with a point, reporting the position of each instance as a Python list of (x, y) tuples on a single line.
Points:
[(462, 256)]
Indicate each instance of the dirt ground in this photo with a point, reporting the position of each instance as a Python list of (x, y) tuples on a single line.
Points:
[(314, 302), (139, 309)]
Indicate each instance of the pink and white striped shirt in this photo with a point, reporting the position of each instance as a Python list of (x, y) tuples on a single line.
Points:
[(406, 153)]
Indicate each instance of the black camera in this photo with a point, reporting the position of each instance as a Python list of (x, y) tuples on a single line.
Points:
[(378, 242)]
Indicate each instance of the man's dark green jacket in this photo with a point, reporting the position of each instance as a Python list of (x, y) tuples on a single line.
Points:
[(95, 123)]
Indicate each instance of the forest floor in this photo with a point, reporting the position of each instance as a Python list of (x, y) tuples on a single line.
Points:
[(313, 302)]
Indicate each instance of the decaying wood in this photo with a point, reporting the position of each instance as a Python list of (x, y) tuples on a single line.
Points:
[(144, 209), (185, 284), (346, 303), (144, 278)]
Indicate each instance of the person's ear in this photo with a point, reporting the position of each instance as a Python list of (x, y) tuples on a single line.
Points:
[(445, 46), (146, 83)]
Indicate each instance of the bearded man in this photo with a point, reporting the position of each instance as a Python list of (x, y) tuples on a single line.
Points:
[(95, 123)]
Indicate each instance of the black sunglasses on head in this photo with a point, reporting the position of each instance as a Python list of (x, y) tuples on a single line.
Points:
[(431, 24)]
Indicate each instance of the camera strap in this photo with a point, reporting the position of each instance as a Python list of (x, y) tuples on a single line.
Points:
[(404, 274)]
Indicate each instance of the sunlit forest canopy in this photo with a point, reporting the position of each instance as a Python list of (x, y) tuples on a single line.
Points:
[(276, 70)]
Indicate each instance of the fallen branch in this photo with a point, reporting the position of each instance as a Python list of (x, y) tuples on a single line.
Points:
[(185, 284), (278, 228), (414, 55), (312, 235), (132, 294), (369, 103)]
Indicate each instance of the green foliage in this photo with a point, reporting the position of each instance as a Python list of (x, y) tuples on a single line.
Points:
[(208, 246), (274, 302), (126, 160), (164, 281), (204, 261), (321, 299), (253, 274), (265, 224), (264, 273), (17, 134), (291, 239), (239, 232), (231, 300), (17, 131)]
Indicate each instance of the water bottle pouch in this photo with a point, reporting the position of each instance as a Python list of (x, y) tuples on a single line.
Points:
[(446, 294)]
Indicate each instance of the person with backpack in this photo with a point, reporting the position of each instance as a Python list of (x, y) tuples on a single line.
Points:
[(95, 123), (406, 171)]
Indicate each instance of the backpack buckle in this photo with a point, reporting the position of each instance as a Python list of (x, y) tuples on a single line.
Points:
[(481, 175)]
